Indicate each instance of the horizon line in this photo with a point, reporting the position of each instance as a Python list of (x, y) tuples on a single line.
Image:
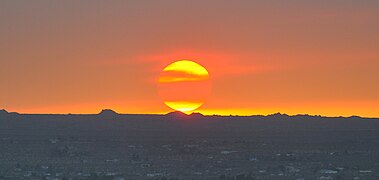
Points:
[(190, 114)]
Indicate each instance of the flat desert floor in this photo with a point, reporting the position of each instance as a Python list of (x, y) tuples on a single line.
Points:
[(112, 146)]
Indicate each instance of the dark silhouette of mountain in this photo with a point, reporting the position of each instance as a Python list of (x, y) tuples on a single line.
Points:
[(355, 117), (176, 114), (278, 115), (181, 115), (3, 112), (108, 113), (196, 115)]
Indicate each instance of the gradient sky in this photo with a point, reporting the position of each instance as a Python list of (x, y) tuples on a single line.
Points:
[(295, 57)]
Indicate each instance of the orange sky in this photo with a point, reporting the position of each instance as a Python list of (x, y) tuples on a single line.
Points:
[(295, 57)]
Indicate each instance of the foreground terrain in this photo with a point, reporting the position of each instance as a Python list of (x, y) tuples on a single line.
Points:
[(176, 146)]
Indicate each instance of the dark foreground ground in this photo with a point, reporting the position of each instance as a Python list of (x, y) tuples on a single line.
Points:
[(111, 146)]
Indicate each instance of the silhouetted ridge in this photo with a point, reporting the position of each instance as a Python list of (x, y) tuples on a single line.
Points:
[(3, 112), (279, 115), (355, 117), (176, 113), (181, 115), (305, 115), (108, 113), (196, 115)]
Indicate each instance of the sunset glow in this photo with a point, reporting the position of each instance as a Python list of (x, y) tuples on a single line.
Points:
[(183, 106), (256, 57)]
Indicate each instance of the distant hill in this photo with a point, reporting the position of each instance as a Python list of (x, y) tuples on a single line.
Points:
[(3, 112), (108, 113), (196, 115), (176, 114)]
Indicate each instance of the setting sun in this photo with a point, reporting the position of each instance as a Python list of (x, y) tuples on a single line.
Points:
[(184, 85)]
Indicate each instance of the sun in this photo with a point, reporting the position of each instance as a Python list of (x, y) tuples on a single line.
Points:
[(184, 85)]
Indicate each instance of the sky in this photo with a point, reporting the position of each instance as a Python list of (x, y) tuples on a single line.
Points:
[(295, 57)]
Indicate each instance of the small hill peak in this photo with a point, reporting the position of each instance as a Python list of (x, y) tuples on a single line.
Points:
[(176, 114), (278, 114), (196, 114), (3, 111), (108, 112)]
